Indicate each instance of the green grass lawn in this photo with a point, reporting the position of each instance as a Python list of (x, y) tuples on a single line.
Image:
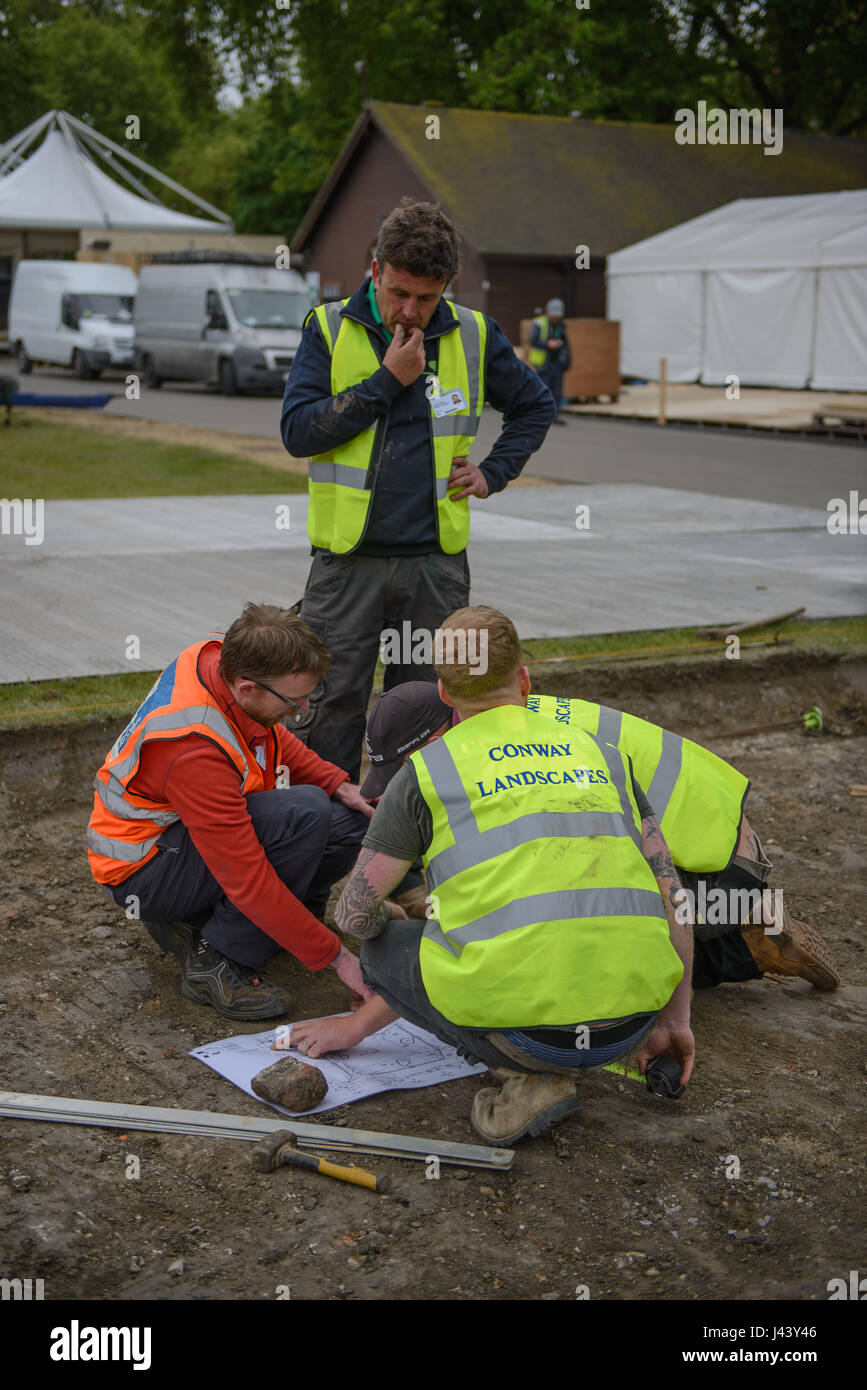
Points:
[(40, 459), (78, 700)]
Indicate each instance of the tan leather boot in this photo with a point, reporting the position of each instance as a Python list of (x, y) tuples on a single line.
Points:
[(796, 949), (525, 1104)]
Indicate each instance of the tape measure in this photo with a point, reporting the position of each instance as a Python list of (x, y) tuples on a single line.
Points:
[(662, 1076)]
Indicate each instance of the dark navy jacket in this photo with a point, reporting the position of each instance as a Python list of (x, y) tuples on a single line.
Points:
[(402, 519)]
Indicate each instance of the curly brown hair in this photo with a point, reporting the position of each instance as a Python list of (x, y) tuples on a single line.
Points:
[(420, 239)]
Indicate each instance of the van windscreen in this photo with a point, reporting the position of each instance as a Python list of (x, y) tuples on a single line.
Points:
[(116, 307), (270, 308)]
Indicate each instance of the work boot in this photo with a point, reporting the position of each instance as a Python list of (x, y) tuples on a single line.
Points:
[(413, 901), (175, 938), (234, 990), (796, 949), (527, 1103)]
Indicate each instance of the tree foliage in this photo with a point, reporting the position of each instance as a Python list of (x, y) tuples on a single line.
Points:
[(295, 64)]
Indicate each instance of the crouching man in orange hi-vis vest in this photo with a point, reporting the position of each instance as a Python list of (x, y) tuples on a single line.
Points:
[(218, 828)]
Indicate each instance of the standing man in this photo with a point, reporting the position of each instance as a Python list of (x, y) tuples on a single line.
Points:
[(385, 397), (218, 828), (555, 940), (549, 350)]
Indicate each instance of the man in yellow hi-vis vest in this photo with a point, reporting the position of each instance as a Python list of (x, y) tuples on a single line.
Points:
[(385, 399), (743, 929), (549, 353), (556, 939)]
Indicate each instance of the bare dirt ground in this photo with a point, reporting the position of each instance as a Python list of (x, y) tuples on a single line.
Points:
[(628, 1197)]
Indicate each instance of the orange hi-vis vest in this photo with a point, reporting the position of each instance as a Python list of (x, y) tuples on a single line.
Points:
[(125, 827)]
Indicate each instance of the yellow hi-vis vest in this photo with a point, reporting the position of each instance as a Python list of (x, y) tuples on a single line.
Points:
[(697, 798), (539, 355), (545, 909), (341, 482)]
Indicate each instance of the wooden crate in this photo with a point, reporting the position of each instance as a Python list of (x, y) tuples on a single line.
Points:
[(595, 348)]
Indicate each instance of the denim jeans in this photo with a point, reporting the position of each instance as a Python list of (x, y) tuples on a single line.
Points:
[(390, 966)]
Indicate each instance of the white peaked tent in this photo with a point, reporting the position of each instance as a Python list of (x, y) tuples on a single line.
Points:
[(60, 186), (770, 290)]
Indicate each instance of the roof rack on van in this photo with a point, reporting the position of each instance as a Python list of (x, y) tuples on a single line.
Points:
[(211, 257)]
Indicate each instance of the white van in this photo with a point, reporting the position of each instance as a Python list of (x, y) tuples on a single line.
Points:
[(73, 314), (235, 324)]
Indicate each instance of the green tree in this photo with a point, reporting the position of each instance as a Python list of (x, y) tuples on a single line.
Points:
[(102, 71), (808, 58), (620, 61), (21, 25)]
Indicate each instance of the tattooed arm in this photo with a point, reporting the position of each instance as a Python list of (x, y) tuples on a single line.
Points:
[(671, 1035), (658, 856), (363, 910)]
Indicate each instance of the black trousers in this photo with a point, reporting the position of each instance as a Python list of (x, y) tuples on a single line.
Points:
[(310, 841), (349, 601)]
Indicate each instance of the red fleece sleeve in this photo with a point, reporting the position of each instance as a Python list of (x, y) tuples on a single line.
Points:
[(306, 768), (205, 791)]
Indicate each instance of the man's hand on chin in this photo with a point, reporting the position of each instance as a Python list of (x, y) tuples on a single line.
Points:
[(350, 795)]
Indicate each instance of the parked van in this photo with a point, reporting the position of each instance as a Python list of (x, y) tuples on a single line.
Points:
[(75, 314), (235, 324)]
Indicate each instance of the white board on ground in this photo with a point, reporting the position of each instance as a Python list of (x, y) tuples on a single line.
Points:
[(398, 1057)]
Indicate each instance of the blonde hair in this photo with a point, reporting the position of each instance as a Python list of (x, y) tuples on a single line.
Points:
[(457, 645)]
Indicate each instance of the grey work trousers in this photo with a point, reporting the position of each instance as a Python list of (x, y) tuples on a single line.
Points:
[(310, 842), (349, 601)]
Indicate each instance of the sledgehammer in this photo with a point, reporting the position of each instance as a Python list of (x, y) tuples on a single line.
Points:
[(279, 1149)]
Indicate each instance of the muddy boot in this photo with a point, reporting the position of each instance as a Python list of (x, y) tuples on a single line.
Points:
[(179, 939), (789, 948), (526, 1104), (234, 990), (413, 902)]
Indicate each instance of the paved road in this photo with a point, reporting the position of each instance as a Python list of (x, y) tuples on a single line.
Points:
[(684, 528), (763, 469), (165, 570)]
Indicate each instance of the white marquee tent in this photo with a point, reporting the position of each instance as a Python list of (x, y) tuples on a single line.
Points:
[(770, 290), (60, 186)]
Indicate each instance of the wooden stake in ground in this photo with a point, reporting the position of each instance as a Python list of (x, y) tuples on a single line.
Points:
[(663, 367)]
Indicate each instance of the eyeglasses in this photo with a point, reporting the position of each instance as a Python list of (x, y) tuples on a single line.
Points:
[(315, 694)]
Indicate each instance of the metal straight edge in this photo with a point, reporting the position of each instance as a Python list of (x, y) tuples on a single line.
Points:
[(107, 1114)]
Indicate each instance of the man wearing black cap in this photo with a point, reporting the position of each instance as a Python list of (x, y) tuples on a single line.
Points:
[(414, 715), (407, 718), (404, 719)]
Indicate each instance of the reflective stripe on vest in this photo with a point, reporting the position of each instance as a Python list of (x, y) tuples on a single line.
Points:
[(696, 796), (341, 482), (129, 852), (472, 845), (125, 827), (497, 955)]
